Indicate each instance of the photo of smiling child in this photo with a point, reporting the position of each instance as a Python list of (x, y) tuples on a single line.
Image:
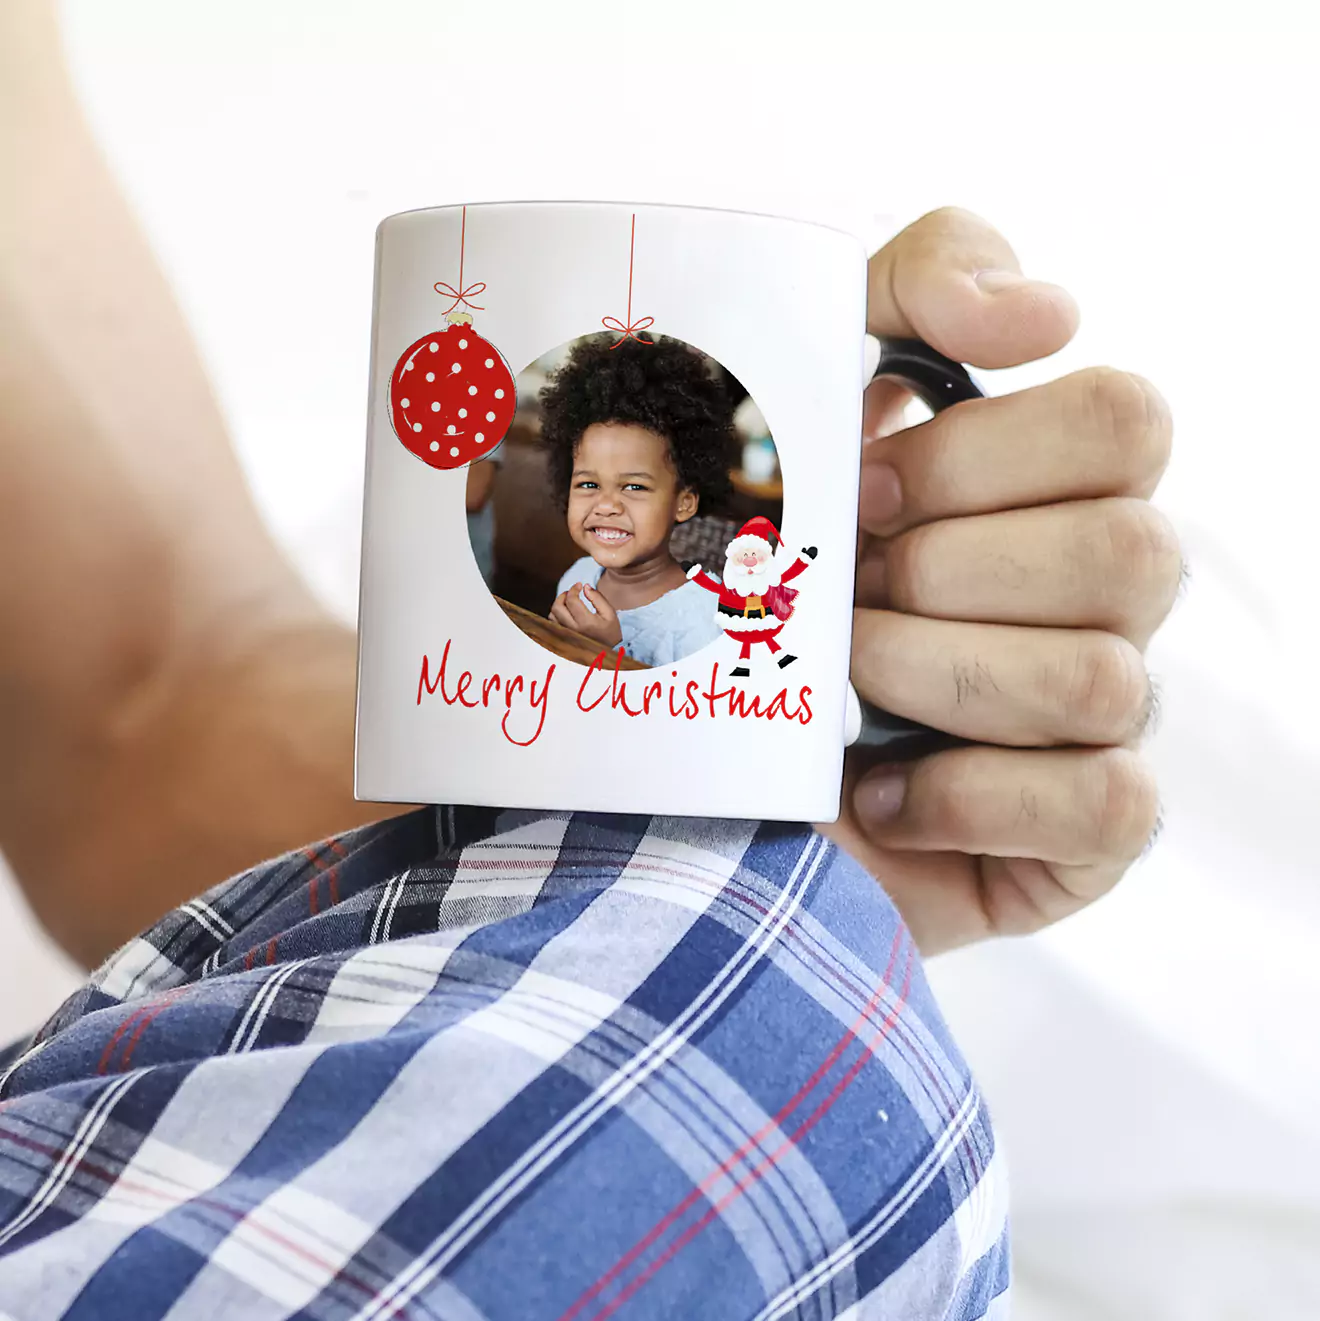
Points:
[(627, 463), (639, 438)]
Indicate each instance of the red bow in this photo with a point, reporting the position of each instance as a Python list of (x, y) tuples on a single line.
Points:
[(460, 295), (629, 331)]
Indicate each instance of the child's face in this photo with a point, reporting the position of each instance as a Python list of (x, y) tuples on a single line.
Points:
[(624, 498)]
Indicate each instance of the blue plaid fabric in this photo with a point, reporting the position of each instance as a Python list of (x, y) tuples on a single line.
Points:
[(477, 1064)]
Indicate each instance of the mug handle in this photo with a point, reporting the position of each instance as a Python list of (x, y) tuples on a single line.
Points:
[(938, 382)]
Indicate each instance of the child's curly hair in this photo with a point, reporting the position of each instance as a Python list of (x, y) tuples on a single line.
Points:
[(663, 386)]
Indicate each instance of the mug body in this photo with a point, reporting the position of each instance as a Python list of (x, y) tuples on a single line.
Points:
[(468, 695)]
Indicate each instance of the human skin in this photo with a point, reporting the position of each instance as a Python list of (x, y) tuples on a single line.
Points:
[(624, 499), (175, 705)]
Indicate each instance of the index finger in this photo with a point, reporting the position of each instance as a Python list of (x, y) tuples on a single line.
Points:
[(953, 280)]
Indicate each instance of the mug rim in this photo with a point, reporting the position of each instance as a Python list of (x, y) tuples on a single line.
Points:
[(558, 202)]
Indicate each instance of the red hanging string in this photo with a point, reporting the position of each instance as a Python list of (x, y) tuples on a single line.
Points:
[(461, 294), (630, 329)]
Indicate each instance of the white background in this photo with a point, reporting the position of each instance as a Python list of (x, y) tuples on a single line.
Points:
[(1153, 1063)]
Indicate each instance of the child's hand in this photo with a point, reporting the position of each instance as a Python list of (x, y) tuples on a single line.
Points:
[(569, 610)]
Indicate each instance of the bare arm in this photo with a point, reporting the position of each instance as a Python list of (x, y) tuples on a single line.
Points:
[(173, 702), (480, 485)]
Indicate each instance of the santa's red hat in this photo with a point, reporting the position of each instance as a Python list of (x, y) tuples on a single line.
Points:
[(754, 530)]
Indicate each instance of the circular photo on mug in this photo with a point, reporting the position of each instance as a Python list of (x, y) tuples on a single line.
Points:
[(629, 461)]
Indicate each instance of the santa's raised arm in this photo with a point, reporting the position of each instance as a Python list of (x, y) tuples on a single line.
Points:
[(753, 599)]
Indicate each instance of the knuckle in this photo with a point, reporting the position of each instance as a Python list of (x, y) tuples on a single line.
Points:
[(953, 805), (934, 232), (1107, 691), (1144, 550), (909, 570), (945, 218), (1123, 803), (1131, 410)]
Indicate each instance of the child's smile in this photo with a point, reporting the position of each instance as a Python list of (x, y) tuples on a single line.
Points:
[(624, 496), (610, 536)]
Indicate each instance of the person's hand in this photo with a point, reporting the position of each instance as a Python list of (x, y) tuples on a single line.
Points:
[(603, 626), (1011, 573)]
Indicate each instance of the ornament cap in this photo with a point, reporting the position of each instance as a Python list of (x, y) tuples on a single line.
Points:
[(459, 318)]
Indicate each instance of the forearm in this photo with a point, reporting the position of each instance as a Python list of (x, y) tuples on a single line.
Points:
[(248, 755), (173, 703)]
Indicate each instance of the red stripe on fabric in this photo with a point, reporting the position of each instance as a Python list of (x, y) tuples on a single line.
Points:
[(312, 852), (236, 1214), (311, 894), (754, 1141), (150, 1008), (946, 1101), (247, 961), (270, 950), (757, 1172), (332, 883), (164, 1003), (114, 1039)]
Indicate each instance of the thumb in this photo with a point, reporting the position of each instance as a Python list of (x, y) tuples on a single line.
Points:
[(952, 280)]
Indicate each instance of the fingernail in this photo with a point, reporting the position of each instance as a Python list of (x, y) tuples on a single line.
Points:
[(993, 281), (881, 494), (878, 798)]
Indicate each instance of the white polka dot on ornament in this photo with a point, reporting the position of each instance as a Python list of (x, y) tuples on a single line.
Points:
[(499, 394), (490, 417), (453, 430), (434, 347), (472, 389), (417, 426), (480, 437), (409, 367), (454, 367), (462, 412), (462, 343), (403, 403), (435, 407), (490, 362), (435, 445), (454, 452), (430, 376)]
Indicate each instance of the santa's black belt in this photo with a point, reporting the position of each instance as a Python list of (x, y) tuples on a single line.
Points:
[(757, 612)]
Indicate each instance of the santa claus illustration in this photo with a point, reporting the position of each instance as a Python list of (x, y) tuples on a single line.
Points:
[(754, 602)]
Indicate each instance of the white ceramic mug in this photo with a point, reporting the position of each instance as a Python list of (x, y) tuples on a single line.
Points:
[(457, 702)]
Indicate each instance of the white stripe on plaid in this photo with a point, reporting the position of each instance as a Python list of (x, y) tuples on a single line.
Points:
[(981, 1216), (500, 1049), (377, 988), (255, 1015), (233, 1100), (389, 901), (882, 1220), (498, 1194), (213, 923), (136, 971), (63, 1169), (31, 1053), (582, 959), (514, 866)]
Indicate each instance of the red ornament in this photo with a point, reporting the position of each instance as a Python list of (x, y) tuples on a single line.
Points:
[(452, 396)]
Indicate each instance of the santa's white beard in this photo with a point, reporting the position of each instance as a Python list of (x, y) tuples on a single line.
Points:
[(738, 579)]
